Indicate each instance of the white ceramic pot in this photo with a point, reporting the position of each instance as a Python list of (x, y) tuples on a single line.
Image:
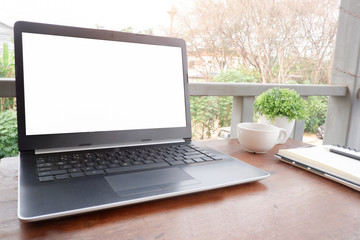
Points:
[(281, 123)]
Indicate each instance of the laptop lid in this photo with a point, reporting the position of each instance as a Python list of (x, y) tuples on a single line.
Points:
[(80, 87)]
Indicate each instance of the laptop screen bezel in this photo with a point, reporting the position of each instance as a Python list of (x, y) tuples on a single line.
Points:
[(92, 139)]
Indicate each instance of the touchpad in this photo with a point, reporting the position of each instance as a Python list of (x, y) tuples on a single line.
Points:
[(149, 181)]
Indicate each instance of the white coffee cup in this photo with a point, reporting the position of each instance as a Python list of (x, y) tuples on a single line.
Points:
[(259, 137)]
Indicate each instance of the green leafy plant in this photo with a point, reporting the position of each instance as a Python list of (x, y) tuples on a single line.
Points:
[(203, 116), (7, 65), (7, 70), (8, 134), (280, 102), (208, 113), (316, 108), (240, 75)]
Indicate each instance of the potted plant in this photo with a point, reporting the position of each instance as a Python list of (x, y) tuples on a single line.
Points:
[(280, 107)]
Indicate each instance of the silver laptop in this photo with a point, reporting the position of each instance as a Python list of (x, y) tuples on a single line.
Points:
[(104, 121)]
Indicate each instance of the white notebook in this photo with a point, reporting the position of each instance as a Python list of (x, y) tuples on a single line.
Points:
[(321, 161)]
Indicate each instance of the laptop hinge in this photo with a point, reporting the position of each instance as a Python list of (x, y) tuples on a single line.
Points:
[(93, 147)]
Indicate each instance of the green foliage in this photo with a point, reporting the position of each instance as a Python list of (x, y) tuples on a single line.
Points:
[(238, 76), (211, 113), (208, 114), (225, 111), (7, 64), (280, 102), (128, 29), (316, 113), (7, 104), (7, 70), (203, 115), (8, 134)]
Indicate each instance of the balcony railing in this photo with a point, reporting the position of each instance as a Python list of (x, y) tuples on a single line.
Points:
[(243, 97)]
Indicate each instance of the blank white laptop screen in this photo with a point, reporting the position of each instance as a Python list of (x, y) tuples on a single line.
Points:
[(75, 85)]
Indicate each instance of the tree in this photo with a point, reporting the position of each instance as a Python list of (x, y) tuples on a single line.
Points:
[(7, 70), (7, 64), (277, 38), (319, 29), (202, 27)]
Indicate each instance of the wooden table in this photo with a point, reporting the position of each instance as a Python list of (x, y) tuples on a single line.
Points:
[(290, 204)]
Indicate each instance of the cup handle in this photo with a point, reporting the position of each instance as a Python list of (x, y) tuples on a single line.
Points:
[(282, 136)]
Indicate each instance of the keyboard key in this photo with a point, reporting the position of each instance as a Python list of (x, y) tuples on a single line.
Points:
[(46, 179), (85, 169), (113, 165), (66, 167), (94, 172), (193, 152), (125, 164), (137, 163), (189, 161), (90, 164), (148, 162), (77, 174), (158, 160), (74, 162), (55, 172), (62, 176), (136, 167), (99, 167), (40, 165), (198, 160), (79, 165), (47, 169), (175, 163), (194, 156), (61, 163), (40, 161)]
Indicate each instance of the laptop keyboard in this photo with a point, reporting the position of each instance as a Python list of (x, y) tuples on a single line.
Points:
[(54, 167)]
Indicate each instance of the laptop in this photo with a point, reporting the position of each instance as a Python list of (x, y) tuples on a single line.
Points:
[(104, 121)]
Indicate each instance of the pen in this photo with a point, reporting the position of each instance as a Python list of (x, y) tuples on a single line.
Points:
[(346, 153)]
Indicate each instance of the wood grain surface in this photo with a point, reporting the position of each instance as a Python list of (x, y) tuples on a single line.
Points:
[(290, 204)]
